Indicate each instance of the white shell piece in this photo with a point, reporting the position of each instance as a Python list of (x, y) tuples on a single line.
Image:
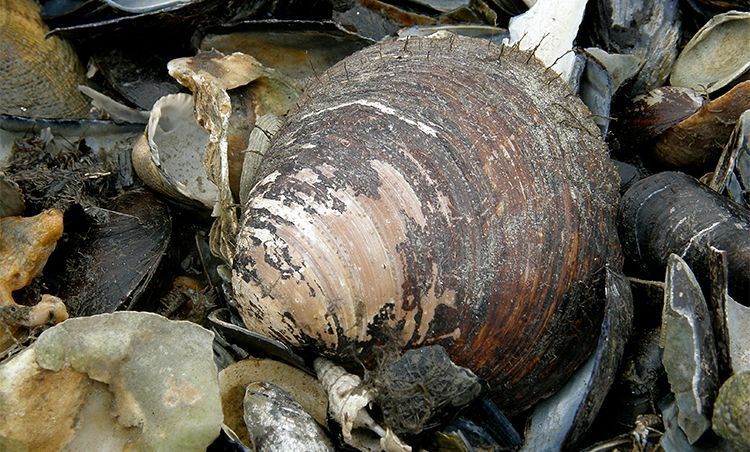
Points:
[(549, 29)]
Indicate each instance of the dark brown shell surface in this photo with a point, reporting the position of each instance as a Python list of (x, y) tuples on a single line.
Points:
[(452, 191)]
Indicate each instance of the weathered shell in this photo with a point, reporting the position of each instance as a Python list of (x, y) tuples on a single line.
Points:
[(40, 74), (731, 418), (689, 355), (298, 49), (717, 55), (650, 30), (441, 189), (169, 157)]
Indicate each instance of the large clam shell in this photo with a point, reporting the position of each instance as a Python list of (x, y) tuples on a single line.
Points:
[(448, 189)]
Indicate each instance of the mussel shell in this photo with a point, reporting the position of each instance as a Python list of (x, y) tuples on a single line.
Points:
[(648, 115), (447, 189), (113, 269), (696, 143), (651, 30), (709, 8)]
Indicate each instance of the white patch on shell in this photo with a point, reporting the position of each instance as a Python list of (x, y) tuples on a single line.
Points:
[(698, 236), (423, 127), (397, 187)]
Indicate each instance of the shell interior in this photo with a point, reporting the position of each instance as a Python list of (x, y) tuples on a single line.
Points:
[(717, 55), (178, 145)]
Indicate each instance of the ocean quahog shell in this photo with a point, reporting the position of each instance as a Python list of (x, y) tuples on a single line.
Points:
[(447, 189)]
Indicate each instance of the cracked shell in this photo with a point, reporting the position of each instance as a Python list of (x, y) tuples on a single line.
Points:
[(449, 190)]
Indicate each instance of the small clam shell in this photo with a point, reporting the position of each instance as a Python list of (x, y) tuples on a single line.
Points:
[(169, 157), (40, 74), (717, 55)]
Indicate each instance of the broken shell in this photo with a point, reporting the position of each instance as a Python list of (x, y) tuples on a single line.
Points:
[(697, 142), (732, 173), (649, 30), (40, 74), (403, 208), (276, 422), (716, 56), (169, 157), (689, 352), (672, 212), (548, 29)]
